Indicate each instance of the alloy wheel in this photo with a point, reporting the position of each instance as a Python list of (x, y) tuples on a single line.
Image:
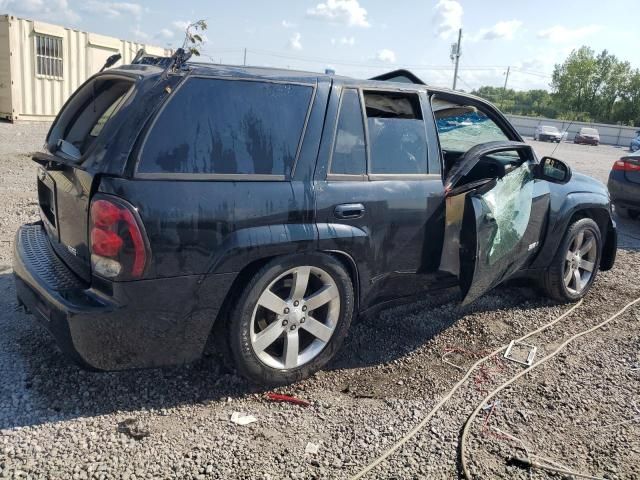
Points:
[(580, 261), (295, 317)]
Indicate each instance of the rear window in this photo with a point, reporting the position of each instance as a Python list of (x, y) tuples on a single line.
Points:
[(550, 129), (86, 115), (213, 126), (589, 131)]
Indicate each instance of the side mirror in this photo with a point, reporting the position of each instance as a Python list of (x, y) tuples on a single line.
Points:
[(554, 170)]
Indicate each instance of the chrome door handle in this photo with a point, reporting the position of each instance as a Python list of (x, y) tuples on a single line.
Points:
[(349, 210)]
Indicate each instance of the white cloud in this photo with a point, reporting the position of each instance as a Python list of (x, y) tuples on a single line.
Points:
[(113, 9), (287, 24), (347, 12), (386, 55), (294, 41), (181, 24), (166, 33), (347, 41), (447, 18), (561, 34), (505, 29), (48, 10)]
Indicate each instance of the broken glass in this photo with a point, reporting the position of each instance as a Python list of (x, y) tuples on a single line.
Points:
[(509, 204)]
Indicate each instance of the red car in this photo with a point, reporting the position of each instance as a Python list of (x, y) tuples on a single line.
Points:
[(590, 136)]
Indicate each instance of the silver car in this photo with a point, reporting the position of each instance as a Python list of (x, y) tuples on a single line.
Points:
[(547, 133)]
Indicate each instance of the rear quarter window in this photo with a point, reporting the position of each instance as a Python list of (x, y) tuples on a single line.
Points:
[(213, 126)]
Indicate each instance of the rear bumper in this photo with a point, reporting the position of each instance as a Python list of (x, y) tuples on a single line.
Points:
[(586, 140), (623, 193), (549, 138), (140, 324)]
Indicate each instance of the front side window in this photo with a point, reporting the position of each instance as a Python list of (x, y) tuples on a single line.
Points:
[(349, 150), (213, 126), (397, 133), (48, 56)]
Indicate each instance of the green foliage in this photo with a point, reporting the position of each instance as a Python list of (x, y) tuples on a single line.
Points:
[(585, 87), (192, 40)]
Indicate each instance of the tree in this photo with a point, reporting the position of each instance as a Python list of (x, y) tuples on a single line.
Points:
[(192, 39), (585, 87)]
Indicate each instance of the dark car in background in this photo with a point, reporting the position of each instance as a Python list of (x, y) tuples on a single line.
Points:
[(258, 210), (587, 136), (624, 185)]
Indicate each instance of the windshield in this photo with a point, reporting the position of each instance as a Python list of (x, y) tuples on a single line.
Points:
[(550, 129), (589, 131)]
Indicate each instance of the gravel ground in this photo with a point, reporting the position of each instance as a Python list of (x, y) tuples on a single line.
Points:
[(57, 421)]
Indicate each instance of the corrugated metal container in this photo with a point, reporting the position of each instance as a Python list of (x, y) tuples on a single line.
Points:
[(42, 64)]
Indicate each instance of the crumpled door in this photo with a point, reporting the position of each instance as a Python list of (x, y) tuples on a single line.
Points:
[(495, 222)]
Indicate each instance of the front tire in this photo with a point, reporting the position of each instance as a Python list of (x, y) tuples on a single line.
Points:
[(291, 318), (576, 263)]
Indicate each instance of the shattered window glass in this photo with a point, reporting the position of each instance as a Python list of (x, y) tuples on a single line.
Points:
[(509, 203), (458, 133)]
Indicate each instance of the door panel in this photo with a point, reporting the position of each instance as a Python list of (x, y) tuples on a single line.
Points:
[(396, 241), (501, 229)]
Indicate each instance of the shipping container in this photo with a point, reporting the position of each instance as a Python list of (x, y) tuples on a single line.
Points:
[(42, 64)]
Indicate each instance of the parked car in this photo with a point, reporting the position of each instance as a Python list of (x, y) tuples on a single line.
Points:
[(547, 133), (586, 135), (624, 185), (258, 210), (634, 146)]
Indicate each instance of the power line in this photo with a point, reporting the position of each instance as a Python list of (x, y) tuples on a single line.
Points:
[(327, 61)]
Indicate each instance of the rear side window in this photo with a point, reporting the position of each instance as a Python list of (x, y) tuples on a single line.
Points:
[(213, 126), (349, 150), (397, 133)]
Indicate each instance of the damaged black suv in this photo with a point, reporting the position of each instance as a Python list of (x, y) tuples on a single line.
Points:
[(261, 209)]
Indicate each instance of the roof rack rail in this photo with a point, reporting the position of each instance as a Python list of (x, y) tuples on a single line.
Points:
[(401, 75), (144, 58)]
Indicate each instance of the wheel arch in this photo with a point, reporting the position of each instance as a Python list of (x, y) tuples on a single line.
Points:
[(574, 207), (217, 332)]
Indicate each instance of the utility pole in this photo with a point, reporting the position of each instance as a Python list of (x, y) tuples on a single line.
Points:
[(504, 90), (506, 78), (245, 58), (455, 54)]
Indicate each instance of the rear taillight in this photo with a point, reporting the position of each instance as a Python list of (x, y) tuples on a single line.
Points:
[(626, 166), (117, 242)]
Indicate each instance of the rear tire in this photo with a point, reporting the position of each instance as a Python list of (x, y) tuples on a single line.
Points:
[(280, 331), (576, 263)]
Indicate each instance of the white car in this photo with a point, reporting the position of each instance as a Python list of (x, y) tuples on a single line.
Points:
[(547, 133)]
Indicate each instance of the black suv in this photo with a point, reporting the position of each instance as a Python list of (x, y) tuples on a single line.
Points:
[(265, 208)]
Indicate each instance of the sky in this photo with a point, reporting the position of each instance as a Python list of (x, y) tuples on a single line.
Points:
[(363, 38)]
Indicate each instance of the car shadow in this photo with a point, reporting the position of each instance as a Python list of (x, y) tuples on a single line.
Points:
[(41, 385), (38, 384)]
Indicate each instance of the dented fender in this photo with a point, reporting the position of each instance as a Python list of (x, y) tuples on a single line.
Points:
[(564, 205)]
